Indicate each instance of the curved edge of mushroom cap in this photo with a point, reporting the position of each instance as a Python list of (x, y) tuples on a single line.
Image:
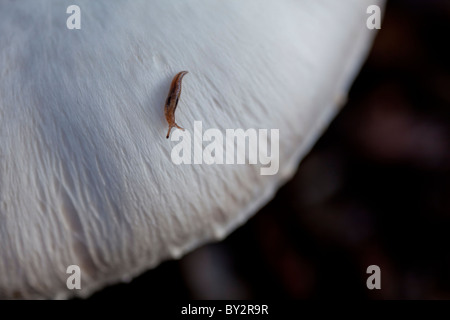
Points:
[(87, 177)]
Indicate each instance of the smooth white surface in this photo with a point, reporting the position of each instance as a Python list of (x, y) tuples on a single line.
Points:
[(85, 170)]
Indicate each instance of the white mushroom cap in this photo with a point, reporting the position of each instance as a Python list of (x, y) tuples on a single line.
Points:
[(86, 176)]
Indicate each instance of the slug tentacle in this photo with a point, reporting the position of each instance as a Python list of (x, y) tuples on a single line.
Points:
[(172, 101)]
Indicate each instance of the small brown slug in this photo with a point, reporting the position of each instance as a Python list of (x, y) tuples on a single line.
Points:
[(172, 101)]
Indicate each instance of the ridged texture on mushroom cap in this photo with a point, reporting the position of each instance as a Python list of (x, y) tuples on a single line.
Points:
[(86, 176)]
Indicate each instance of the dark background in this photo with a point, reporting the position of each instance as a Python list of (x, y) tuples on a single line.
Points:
[(374, 190)]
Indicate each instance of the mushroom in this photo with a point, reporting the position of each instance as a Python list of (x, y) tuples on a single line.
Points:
[(86, 176)]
